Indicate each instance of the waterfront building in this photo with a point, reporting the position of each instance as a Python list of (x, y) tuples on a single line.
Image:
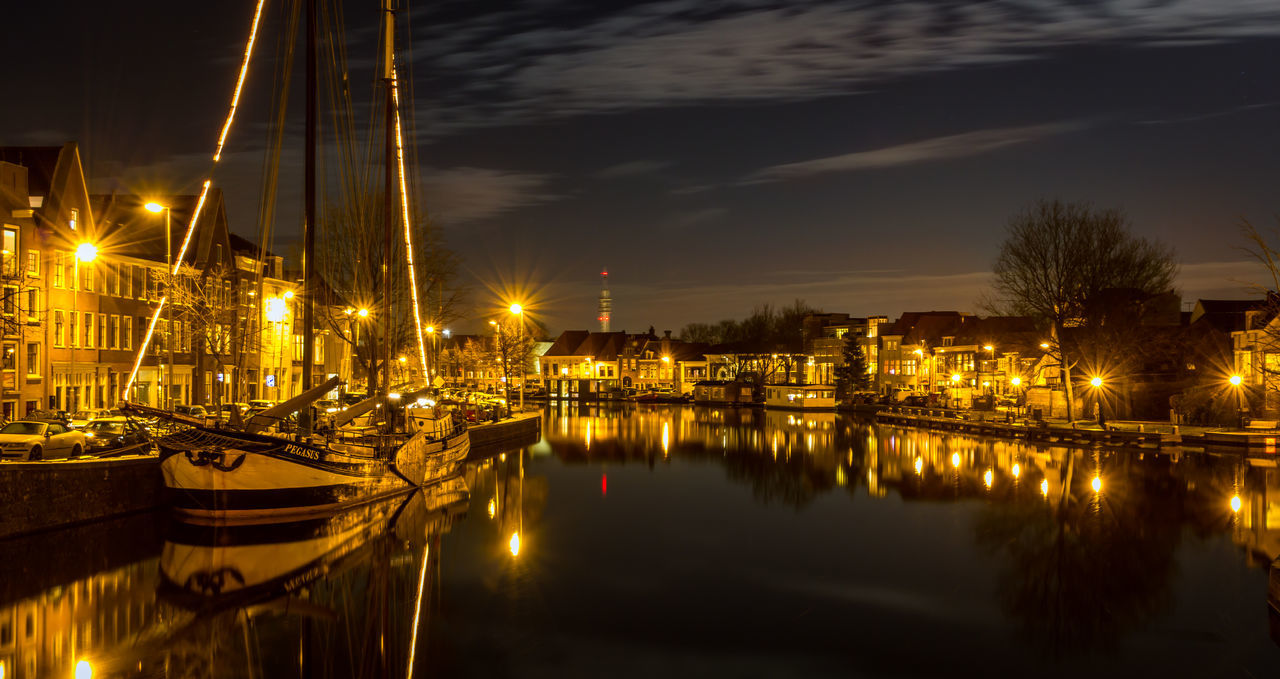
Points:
[(583, 364)]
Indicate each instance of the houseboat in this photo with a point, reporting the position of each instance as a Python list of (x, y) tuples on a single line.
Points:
[(800, 396), (723, 393)]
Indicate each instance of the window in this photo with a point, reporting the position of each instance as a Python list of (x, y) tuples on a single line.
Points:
[(109, 280), (33, 303), (33, 263), (86, 276), (10, 304), (140, 282), (9, 357), (58, 329), (33, 359), (126, 332), (113, 332), (102, 331), (126, 280), (75, 338), (88, 330), (74, 220), (59, 269), (10, 251)]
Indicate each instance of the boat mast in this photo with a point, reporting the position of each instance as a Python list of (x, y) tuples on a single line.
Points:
[(389, 203), (309, 221)]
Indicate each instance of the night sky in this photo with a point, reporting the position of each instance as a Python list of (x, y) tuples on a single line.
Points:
[(714, 156)]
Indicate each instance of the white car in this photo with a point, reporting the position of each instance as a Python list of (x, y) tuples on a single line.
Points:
[(34, 440), (82, 417)]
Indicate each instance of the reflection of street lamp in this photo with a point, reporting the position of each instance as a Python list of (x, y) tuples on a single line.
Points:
[(991, 351), (85, 252)]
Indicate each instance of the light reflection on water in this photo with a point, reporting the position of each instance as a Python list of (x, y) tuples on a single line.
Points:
[(624, 539)]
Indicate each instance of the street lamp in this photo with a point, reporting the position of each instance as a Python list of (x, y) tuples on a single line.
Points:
[(1236, 381), (166, 401), (1096, 383), (517, 310), (85, 252)]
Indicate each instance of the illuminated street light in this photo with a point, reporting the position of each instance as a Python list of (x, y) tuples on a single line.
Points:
[(1236, 380), (1096, 382), (514, 544), (288, 294), (516, 309), (84, 670), (1044, 345), (1016, 381), (955, 377), (955, 459), (363, 313), (1096, 484), (86, 252)]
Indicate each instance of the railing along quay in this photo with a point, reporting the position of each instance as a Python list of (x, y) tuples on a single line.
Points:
[(1036, 431)]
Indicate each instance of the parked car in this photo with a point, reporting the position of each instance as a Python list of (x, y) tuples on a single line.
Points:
[(39, 440), (228, 408), (326, 406), (57, 415), (191, 411), (82, 417), (115, 432), (260, 403)]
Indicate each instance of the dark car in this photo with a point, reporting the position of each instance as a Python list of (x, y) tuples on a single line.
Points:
[(114, 433), (52, 415)]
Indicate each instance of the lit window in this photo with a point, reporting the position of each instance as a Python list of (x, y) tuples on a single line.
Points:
[(74, 220)]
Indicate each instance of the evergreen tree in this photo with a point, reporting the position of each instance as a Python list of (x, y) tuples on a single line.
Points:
[(852, 375)]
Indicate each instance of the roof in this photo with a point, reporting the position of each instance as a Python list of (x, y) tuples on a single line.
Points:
[(1226, 315), (127, 228), (40, 161), (599, 346), (928, 327)]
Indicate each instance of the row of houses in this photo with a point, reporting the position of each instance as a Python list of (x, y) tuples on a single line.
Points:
[(1161, 362), (82, 275)]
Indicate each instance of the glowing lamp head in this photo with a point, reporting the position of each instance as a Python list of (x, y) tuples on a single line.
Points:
[(1044, 345), (987, 347), (1016, 381), (1235, 503), (514, 544), (430, 329), (955, 377), (1236, 380), (1096, 484), (516, 309), (86, 252), (154, 207), (288, 294), (1096, 382), (404, 359), (363, 313)]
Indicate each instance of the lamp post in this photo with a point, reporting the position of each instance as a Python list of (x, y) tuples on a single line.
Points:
[(1236, 381), (1096, 383), (518, 310), (85, 252), (431, 357), (166, 401)]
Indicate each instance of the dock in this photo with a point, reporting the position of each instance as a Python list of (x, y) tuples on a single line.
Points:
[(1034, 431)]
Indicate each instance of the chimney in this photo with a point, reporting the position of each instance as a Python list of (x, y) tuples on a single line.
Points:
[(666, 334)]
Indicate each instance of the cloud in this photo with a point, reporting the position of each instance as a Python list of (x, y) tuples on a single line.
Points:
[(927, 150), (470, 194), (633, 168), (535, 62), (696, 218)]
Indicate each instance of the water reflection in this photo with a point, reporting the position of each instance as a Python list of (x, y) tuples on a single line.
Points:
[(1085, 540)]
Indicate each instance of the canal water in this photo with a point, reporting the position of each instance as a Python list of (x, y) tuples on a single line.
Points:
[(684, 541)]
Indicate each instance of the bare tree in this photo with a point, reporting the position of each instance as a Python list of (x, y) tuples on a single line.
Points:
[(1056, 264), (206, 302), (362, 272)]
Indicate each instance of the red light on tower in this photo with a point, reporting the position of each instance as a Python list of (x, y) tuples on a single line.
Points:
[(604, 484)]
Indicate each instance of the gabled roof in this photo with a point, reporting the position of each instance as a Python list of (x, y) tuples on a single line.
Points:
[(127, 228), (1226, 315), (567, 343), (928, 327)]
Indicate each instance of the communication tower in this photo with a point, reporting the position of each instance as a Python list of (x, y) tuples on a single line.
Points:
[(606, 302)]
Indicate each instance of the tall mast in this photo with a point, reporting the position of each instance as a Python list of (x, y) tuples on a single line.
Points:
[(389, 202), (309, 222)]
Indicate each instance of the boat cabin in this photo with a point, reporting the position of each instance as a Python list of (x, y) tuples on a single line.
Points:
[(723, 392), (800, 396)]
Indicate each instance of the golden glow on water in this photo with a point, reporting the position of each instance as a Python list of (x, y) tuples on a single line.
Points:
[(955, 459), (1235, 503), (514, 544), (988, 478), (666, 439), (84, 670), (493, 508), (1096, 483), (919, 465), (1017, 470), (1044, 487), (417, 608)]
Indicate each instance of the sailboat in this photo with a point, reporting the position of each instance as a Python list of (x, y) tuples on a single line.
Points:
[(248, 473)]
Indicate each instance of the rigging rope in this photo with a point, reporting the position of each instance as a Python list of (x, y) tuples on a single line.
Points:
[(195, 215)]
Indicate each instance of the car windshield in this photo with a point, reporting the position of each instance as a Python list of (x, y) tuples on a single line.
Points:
[(24, 428), (85, 415), (106, 427)]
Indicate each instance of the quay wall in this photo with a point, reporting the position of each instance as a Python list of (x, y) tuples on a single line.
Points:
[(496, 437), (40, 495)]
